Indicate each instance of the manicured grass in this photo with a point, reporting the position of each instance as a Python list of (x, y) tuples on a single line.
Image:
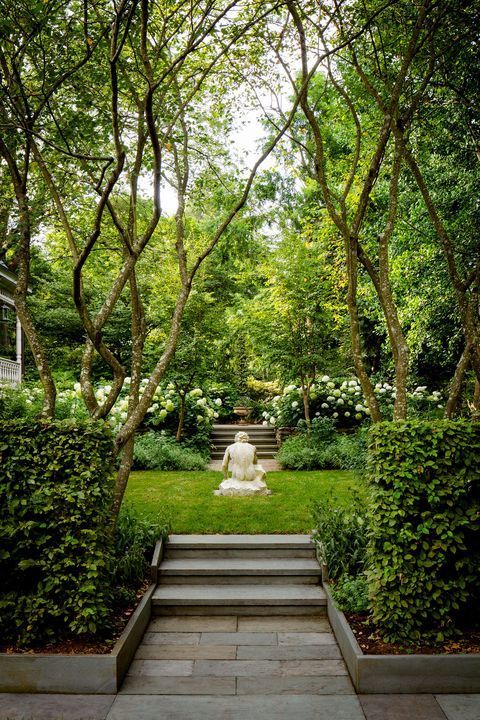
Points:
[(187, 499)]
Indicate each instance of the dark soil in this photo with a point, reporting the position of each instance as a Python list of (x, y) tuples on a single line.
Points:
[(371, 643), (87, 644)]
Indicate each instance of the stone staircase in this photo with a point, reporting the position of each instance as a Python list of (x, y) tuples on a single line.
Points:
[(239, 575), (262, 436)]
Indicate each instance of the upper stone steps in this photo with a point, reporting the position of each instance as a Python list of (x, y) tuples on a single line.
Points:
[(239, 574), (262, 436), (232, 571), (239, 546)]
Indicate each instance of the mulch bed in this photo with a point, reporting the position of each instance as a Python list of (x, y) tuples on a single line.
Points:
[(87, 644), (371, 643)]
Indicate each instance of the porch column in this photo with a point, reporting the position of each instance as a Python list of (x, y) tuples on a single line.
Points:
[(19, 341)]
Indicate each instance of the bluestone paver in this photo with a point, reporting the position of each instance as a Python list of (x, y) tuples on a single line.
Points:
[(284, 623), (289, 652), (237, 707), (29, 706), (136, 685), (188, 652), (401, 707), (161, 668), (172, 638), (295, 685), (239, 638), (460, 707), (194, 623), (306, 638)]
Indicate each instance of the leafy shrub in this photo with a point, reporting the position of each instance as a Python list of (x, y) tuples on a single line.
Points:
[(55, 497), (134, 542), (340, 536), (16, 403), (425, 540), (312, 451), (351, 593), (154, 451)]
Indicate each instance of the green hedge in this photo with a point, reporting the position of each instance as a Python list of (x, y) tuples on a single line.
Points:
[(56, 487), (425, 530)]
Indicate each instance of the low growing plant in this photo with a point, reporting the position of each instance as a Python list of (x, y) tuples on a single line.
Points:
[(156, 451), (134, 543), (351, 593), (341, 535)]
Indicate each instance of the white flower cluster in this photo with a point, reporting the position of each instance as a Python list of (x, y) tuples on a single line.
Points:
[(165, 401), (339, 399)]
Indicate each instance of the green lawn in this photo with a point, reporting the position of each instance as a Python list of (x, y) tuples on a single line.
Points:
[(187, 499)]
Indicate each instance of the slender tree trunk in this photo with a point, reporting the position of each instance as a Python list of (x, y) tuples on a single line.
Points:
[(121, 480), (360, 369), (456, 385), (306, 400), (476, 396), (181, 416)]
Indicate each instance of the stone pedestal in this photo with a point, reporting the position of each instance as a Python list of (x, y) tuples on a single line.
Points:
[(242, 488)]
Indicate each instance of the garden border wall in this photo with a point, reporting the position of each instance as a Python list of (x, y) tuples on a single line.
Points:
[(402, 673), (76, 674)]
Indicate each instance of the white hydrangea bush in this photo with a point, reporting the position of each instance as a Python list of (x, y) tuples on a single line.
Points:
[(342, 399), (201, 409)]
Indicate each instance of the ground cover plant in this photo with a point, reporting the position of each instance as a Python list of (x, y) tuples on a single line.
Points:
[(187, 500)]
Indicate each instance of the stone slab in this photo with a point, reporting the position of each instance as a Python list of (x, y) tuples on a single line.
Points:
[(96, 674), (460, 707), (230, 594), (312, 667), (238, 638), (23, 706), (240, 566), (400, 707), (200, 623), (289, 652), (177, 686), (236, 668), (267, 610), (238, 707), (187, 652), (159, 668), (172, 638), (296, 685), (239, 541), (294, 623), (306, 638)]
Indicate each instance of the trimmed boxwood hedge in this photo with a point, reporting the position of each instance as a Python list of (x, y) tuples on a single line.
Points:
[(425, 527), (56, 486)]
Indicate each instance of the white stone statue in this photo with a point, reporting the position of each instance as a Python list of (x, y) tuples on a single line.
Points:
[(247, 475)]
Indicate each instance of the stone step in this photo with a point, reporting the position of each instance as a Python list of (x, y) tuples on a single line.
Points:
[(239, 599), (235, 571), (266, 455), (229, 542), (239, 546)]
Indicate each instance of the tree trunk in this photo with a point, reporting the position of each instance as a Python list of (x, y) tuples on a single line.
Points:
[(367, 387), (181, 417), (306, 401), (121, 480), (456, 386)]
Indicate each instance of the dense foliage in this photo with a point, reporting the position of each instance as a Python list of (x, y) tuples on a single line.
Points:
[(55, 499), (425, 531), (340, 535), (316, 451), (156, 451)]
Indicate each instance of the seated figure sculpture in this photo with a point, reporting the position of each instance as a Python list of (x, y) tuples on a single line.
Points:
[(247, 475)]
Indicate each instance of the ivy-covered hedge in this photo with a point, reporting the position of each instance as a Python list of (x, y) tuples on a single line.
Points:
[(55, 494), (425, 527)]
